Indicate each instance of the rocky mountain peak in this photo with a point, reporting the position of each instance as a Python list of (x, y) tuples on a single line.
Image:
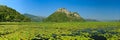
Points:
[(68, 13), (63, 10)]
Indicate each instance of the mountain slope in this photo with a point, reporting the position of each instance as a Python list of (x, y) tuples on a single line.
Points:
[(8, 14), (62, 15)]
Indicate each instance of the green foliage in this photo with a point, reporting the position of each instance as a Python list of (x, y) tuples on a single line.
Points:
[(59, 31), (8, 14)]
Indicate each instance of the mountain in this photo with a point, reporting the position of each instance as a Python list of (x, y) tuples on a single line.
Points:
[(114, 20), (34, 18), (8, 14), (92, 20), (62, 15)]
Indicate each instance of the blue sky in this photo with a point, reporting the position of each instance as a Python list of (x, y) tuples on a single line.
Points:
[(93, 9)]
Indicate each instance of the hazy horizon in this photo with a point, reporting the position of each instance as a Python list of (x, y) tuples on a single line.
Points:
[(92, 9)]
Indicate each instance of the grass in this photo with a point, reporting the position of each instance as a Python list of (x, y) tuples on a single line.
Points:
[(61, 31)]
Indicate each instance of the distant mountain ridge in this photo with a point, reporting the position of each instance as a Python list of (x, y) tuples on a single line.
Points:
[(92, 20), (62, 15), (34, 18)]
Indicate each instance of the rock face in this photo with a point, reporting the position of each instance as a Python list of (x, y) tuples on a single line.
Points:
[(68, 13), (63, 10), (63, 15), (8, 14)]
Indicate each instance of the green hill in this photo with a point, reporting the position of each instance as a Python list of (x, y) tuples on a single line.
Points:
[(62, 15), (8, 14)]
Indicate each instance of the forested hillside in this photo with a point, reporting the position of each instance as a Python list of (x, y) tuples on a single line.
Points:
[(8, 14)]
